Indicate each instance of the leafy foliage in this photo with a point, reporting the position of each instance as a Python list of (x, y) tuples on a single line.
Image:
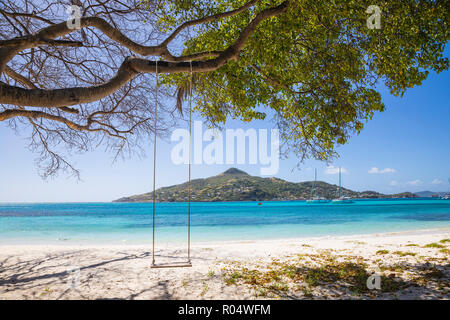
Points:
[(316, 67), (313, 65)]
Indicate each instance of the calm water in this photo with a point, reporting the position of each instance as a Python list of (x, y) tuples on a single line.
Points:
[(132, 223)]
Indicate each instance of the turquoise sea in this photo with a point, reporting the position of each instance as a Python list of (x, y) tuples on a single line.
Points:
[(119, 223)]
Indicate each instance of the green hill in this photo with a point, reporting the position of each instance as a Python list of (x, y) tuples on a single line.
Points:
[(237, 185)]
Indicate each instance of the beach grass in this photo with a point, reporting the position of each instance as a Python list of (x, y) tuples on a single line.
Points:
[(434, 245), (404, 253), (302, 275)]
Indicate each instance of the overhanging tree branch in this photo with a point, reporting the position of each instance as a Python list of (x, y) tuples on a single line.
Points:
[(61, 29), (315, 66), (128, 70), (206, 20)]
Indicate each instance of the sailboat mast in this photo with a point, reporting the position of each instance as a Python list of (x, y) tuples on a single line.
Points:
[(340, 191), (315, 182)]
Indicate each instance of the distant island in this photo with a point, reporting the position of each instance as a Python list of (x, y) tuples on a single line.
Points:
[(237, 185), (431, 194)]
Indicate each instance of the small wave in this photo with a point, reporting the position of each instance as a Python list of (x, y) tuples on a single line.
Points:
[(426, 217)]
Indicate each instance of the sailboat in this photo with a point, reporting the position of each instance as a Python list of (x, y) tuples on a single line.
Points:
[(315, 198), (341, 198)]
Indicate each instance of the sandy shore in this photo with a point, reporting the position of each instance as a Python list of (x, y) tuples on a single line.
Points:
[(408, 265)]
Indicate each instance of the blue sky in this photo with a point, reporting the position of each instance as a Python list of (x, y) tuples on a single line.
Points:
[(406, 148)]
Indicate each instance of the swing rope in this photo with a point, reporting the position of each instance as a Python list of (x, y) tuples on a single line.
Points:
[(154, 162), (188, 264), (189, 166)]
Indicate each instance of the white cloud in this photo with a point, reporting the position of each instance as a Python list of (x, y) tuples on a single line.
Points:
[(375, 170), (416, 182), (334, 170), (437, 181), (393, 183)]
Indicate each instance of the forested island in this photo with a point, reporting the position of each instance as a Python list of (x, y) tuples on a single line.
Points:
[(237, 185)]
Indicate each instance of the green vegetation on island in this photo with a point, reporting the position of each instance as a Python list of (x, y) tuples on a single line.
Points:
[(237, 185)]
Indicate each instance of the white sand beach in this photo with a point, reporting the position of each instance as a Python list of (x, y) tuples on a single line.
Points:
[(411, 265)]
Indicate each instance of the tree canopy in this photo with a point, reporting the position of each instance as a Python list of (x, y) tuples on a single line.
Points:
[(316, 64)]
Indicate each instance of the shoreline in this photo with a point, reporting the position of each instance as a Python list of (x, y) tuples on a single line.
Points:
[(225, 201), (178, 244)]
